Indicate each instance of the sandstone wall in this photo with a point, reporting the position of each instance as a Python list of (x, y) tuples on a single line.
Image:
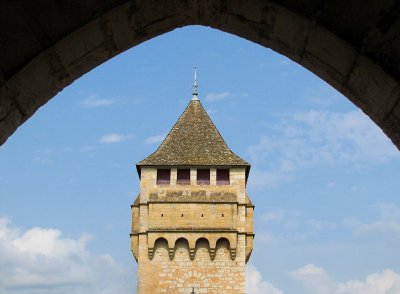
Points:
[(192, 235), (181, 274)]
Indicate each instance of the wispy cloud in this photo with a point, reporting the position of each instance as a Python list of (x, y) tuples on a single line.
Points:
[(284, 62), (321, 224), (114, 138), (87, 148), (155, 139), (331, 185), (93, 101), (211, 112), (318, 139), (41, 260), (386, 223), (292, 226), (216, 96), (268, 178), (255, 283), (323, 97)]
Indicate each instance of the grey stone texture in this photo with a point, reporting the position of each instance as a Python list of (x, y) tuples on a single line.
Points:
[(354, 45)]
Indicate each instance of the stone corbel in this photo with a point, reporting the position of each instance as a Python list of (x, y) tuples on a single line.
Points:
[(192, 253), (151, 253), (171, 253), (212, 253), (233, 253)]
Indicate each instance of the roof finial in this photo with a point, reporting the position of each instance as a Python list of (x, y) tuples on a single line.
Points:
[(195, 85)]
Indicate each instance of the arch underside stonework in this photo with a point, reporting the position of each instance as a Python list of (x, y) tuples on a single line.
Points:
[(354, 45), (193, 241)]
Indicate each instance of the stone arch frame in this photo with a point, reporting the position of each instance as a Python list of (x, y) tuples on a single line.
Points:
[(344, 65), (200, 239), (175, 246), (231, 248), (153, 249)]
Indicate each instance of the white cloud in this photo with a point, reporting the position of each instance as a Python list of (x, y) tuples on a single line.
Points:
[(323, 97), (284, 62), (268, 179), (256, 285), (317, 139), (94, 101), (274, 216), (114, 138), (155, 139), (380, 227), (264, 238), (331, 185), (216, 96), (387, 223), (388, 211), (308, 269), (320, 224), (357, 188), (316, 280), (285, 219), (295, 222), (292, 226), (87, 148), (41, 260), (386, 282), (346, 137)]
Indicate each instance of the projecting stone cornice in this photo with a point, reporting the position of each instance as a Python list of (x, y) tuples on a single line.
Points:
[(167, 195), (191, 241)]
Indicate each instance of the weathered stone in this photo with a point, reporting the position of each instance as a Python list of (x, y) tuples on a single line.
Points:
[(197, 235), (62, 40)]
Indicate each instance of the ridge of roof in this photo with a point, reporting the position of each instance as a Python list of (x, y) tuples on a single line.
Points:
[(193, 140)]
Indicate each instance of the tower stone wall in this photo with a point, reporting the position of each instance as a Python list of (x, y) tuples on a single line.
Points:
[(192, 232), (192, 236)]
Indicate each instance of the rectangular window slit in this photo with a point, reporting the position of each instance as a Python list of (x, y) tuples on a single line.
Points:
[(163, 176), (223, 177), (203, 177), (183, 176)]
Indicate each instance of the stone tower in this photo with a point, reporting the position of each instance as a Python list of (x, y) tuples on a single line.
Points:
[(192, 223)]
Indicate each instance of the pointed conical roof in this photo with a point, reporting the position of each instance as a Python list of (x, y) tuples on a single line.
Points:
[(194, 140)]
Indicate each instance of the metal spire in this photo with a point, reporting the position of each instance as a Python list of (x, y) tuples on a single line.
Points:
[(195, 86)]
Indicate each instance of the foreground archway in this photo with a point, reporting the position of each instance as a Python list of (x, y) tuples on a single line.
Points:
[(51, 45)]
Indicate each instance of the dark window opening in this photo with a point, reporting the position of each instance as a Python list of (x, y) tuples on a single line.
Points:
[(222, 176), (203, 177), (222, 215), (163, 176), (183, 177), (181, 215), (202, 215), (162, 215)]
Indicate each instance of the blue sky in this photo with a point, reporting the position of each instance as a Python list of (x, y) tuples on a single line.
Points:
[(324, 178)]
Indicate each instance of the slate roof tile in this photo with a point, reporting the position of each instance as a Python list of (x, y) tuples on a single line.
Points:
[(194, 140)]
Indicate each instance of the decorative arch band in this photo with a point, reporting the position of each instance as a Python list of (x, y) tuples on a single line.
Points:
[(193, 244)]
